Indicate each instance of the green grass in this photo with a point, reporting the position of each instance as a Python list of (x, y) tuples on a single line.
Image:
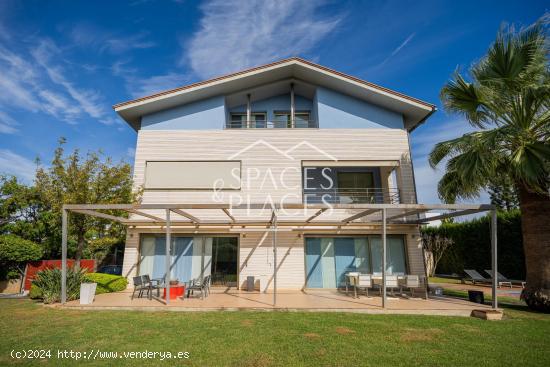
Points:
[(445, 280), (278, 338)]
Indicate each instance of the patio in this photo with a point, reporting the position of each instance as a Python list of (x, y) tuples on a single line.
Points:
[(317, 300), (224, 217)]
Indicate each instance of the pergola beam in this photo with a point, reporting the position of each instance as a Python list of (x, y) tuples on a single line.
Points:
[(229, 214), (480, 207), (317, 213), (97, 214), (407, 213), (186, 215), (146, 215), (447, 215), (360, 215)]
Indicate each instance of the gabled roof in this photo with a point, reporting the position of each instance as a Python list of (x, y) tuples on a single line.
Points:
[(414, 110)]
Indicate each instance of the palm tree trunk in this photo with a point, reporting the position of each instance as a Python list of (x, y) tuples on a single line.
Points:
[(535, 225)]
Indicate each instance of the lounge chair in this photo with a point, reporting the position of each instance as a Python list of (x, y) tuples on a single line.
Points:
[(502, 279), (474, 276)]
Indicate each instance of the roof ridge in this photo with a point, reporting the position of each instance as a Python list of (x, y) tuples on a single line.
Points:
[(265, 66)]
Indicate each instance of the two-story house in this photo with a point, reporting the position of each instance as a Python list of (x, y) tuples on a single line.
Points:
[(290, 132)]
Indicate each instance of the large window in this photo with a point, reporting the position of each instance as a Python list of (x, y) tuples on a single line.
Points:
[(191, 258), (343, 185), (355, 187), (257, 120), (283, 119), (328, 259)]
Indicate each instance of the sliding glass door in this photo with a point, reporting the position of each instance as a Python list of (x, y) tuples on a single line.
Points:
[(191, 257), (328, 259)]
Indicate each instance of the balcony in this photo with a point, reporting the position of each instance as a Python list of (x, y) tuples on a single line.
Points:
[(262, 124), (358, 195)]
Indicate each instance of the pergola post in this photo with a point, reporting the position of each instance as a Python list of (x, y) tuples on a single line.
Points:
[(167, 256), (64, 222), (274, 237), (384, 265), (494, 262)]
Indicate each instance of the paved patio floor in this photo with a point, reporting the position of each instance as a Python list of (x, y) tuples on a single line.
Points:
[(318, 300)]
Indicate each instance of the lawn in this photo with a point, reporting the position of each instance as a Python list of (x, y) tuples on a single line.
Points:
[(277, 338)]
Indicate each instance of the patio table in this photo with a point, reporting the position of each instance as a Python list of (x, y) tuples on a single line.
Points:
[(176, 291)]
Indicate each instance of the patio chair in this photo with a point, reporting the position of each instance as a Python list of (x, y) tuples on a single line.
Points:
[(411, 282), (364, 282), (392, 282), (347, 280), (474, 276), (197, 285), (152, 284), (501, 278), (139, 286)]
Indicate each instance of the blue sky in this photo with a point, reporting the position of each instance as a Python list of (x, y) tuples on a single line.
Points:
[(63, 64)]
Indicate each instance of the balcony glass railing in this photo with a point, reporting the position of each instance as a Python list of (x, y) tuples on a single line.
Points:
[(352, 195), (258, 124)]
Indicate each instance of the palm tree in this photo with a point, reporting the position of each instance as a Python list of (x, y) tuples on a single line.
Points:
[(507, 100)]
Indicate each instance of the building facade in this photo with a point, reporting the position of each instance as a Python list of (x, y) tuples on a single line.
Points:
[(291, 132)]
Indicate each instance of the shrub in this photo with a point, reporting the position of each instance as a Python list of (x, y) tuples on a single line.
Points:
[(107, 283), (14, 254), (35, 292), (48, 282)]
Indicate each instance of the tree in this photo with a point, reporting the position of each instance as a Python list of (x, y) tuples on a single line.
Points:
[(15, 252), (506, 97), (503, 194), (434, 248), (74, 179)]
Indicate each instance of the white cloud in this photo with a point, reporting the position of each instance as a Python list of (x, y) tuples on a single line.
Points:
[(7, 124), (88, 100), (234, 35), (88, 35), (39, 83), (397, 49), (158, 83), (130, 152), (14, 164), (139, 86)]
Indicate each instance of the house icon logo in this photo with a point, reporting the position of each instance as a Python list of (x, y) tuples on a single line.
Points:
[(288, 153)]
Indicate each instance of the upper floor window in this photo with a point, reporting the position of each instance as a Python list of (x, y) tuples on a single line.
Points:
[(257, 120), (283, 119), (345, 185)]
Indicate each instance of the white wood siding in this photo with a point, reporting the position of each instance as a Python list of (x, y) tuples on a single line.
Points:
[(281, 152), (256, 254)]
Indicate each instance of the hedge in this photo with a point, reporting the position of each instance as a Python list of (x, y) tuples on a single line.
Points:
[(472, 247), (107, 283)]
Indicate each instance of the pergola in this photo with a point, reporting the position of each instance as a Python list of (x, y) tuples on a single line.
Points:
[(353, 216)]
